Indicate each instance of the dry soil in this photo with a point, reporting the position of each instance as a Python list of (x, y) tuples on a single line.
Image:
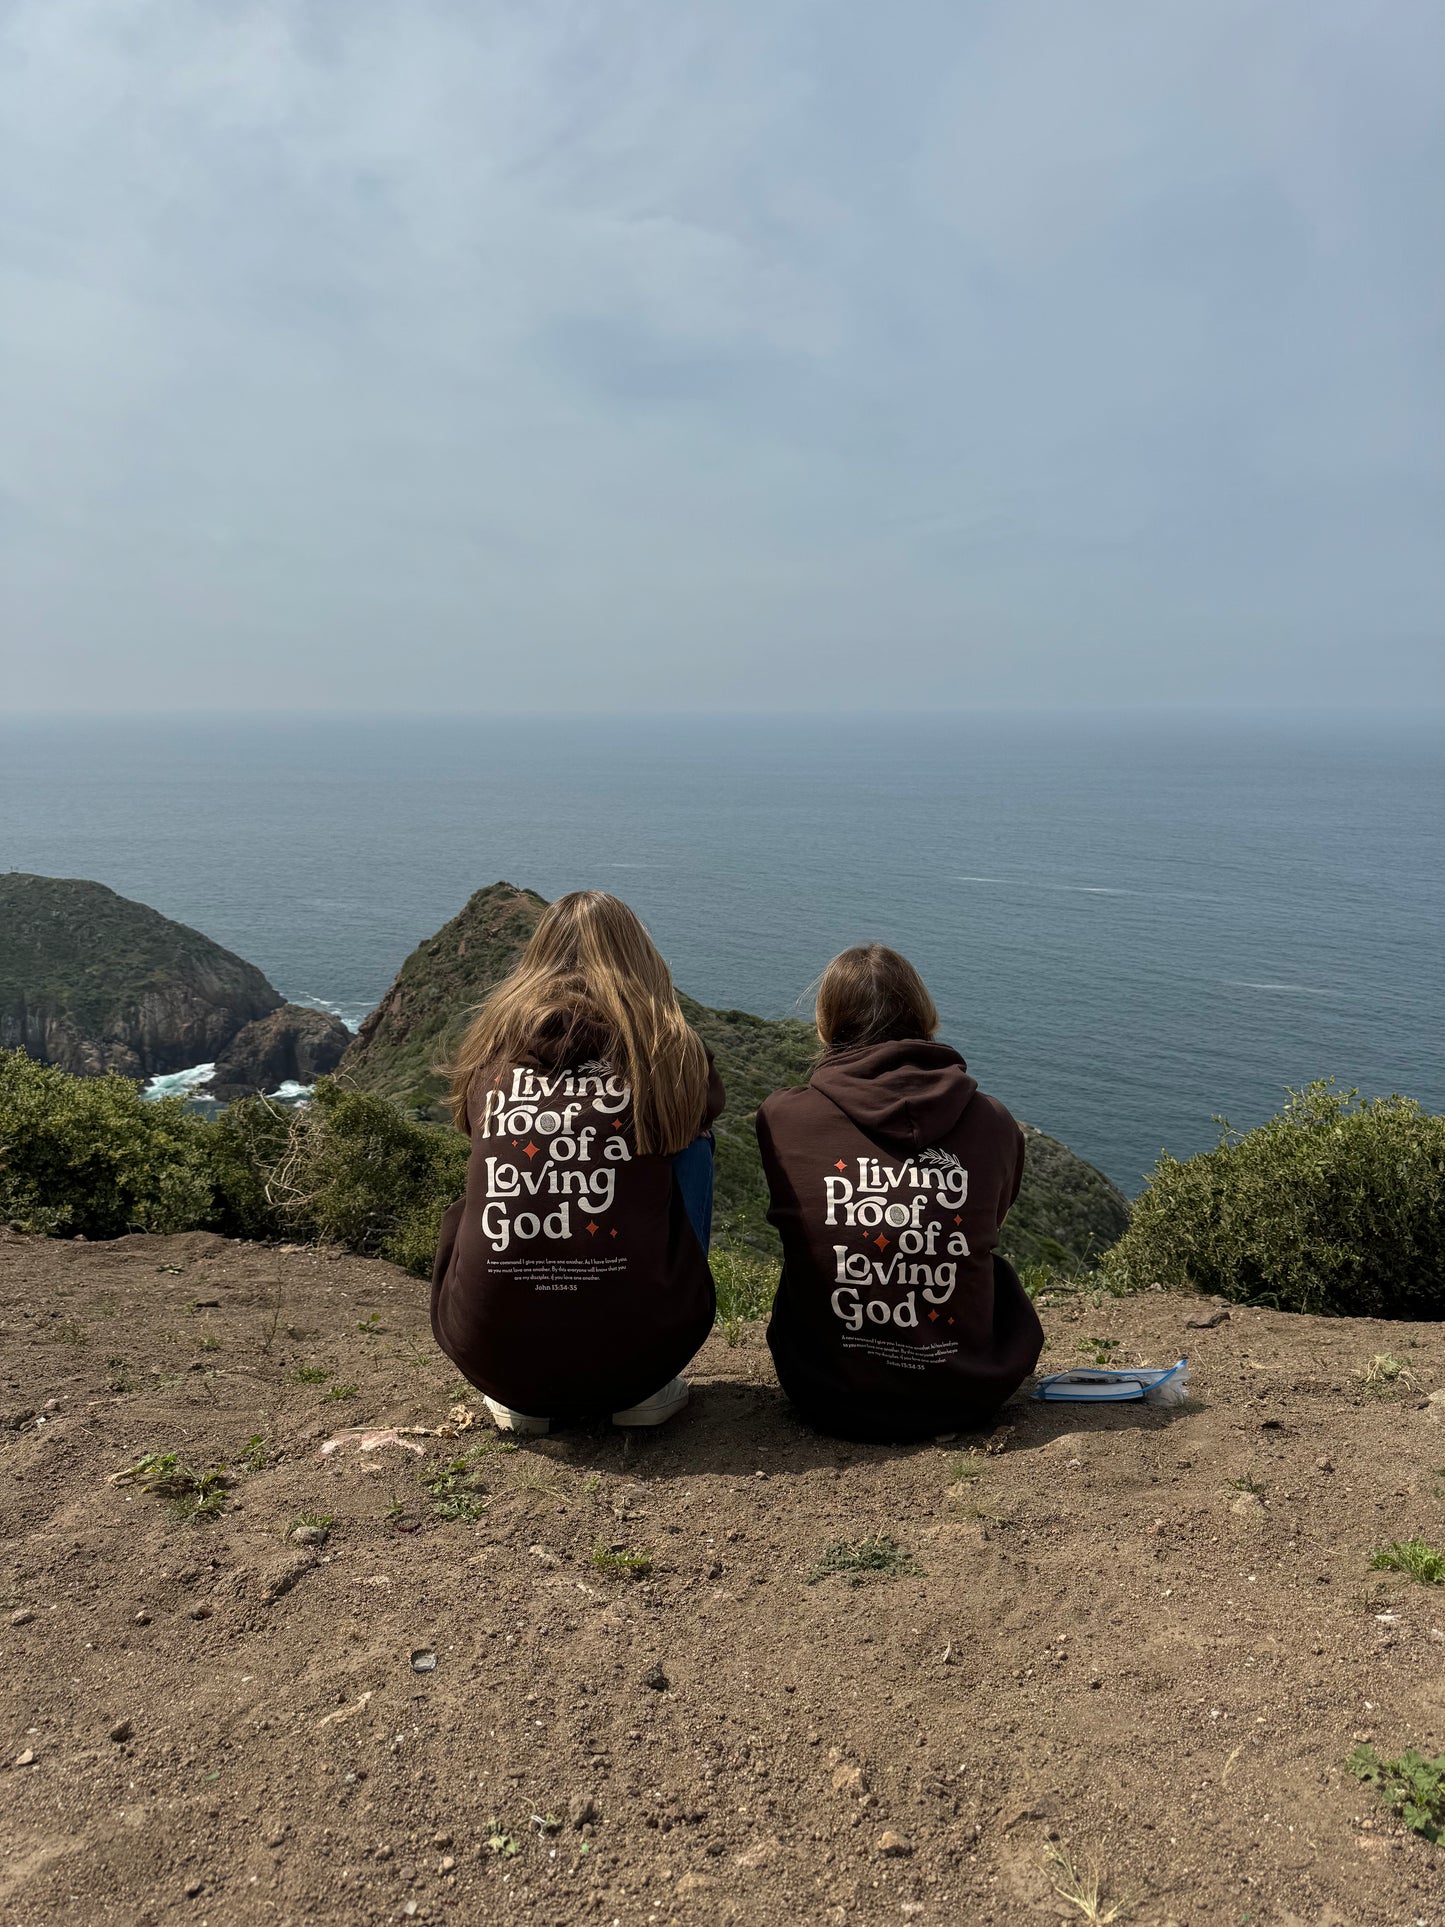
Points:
[(1140, 1642)]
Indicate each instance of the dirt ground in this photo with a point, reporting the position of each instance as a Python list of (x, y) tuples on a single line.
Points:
[(1141, 1641)]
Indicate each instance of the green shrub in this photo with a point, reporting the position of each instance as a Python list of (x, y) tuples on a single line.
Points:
[(1336, 1205), (88, 1156), (746, 1282), (356, 1170)]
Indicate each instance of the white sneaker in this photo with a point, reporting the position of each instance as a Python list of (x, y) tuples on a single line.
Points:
[(657, 1409), (509, 1421)]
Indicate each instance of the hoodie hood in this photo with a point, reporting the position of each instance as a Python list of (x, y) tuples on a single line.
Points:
[(908, 1092)]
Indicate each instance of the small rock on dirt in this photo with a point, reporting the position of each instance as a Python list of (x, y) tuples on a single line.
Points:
[(201, 1611), (22, 1616), (308, 1535), (891, 1843), (27, 1758), (1204, 1321), (423, 1661), (849, 1779), (581, 1808), (694, 1883), (656, 1679), (122, 1731), (193, 1887), (142, 1619)]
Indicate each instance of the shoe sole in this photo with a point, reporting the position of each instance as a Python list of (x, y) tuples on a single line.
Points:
[(637, 1424)]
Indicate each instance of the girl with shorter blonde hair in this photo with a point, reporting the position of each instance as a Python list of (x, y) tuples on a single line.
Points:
[(890, 1176), (572, 1278)]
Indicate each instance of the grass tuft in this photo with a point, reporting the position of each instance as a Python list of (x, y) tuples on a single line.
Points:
[(1412, 1556), (1084, 1891), (861, 1561), (620, 1562)]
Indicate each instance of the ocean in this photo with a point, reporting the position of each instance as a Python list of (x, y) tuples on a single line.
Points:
[(1131, 922)]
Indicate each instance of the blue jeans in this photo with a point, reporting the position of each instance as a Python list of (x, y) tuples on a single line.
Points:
[(692, 1174)]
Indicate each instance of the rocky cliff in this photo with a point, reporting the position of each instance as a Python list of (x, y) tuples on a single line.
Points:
[(94, 982), (294, 1044), (1066, 1213)]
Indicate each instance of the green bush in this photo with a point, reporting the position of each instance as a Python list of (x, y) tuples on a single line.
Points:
[(349, 1168), (88, 1156), (1336, 1205)]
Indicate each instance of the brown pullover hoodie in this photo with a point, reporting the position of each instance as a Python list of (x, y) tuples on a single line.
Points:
[(891, 1174), (568, 1280)]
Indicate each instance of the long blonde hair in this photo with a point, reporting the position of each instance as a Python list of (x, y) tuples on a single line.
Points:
[(592, 979)]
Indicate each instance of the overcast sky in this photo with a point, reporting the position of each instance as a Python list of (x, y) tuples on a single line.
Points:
[(667, 354)]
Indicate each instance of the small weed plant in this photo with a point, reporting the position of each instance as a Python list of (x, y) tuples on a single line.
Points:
[(1386, 1374), (861, 1561), (311, 1374), (746, 1285), (1411, 1787), (620, 1562), (255, 1454), (1084, 1891), (193, 1497), (1414, 1557), (458, 1489), (339, 1392)]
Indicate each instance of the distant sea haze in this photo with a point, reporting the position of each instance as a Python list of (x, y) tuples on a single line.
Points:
[(1131, 922)]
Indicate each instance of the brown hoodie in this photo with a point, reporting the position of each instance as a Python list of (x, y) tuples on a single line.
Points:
[(891, 1175), (569, 1279)]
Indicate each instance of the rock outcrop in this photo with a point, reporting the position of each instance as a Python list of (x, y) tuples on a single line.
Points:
[(94, 982), (294, 1044), (1067, 1211)]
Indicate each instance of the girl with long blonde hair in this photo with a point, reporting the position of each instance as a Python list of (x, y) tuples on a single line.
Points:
[(572, 1278)]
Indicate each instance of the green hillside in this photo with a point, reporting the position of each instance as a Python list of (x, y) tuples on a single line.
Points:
[(1066, 1213), (94, 982)]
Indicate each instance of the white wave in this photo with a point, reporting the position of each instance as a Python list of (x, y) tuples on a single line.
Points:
[(291, 1092), (1039, 883), (1295, 990), (179, 1083)]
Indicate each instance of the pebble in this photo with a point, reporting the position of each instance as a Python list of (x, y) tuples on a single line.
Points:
[(27, 1758), (581, 1808), (448, 1862), (441, 1839), (201, 1612), (22, 1616), (193, 1887), (423, 1661), (656, 1679), (121, 1731), (892, 1843), (1324, 1465), (142, 1619), (308, 1535)]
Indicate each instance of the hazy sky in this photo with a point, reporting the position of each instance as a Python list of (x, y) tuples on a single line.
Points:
[(752, 353)]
